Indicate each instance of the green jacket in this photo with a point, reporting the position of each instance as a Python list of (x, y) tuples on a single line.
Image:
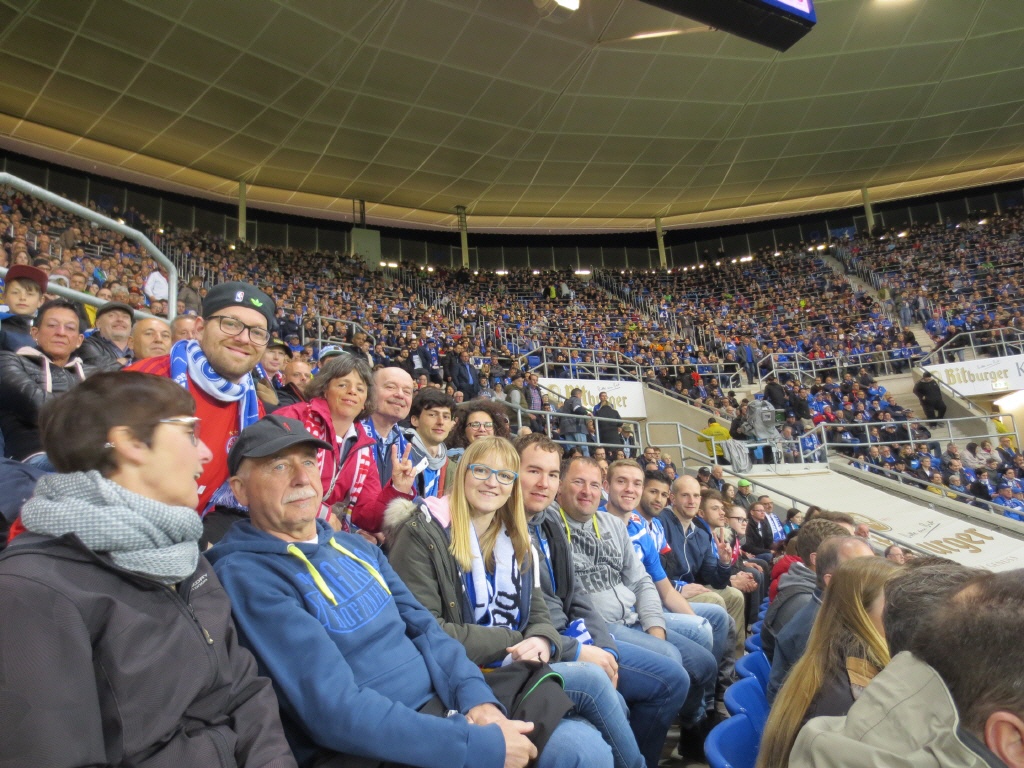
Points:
[(417, 548)]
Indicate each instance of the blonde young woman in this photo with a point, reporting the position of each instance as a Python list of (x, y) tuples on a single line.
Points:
[(466, 558), (846, 649)]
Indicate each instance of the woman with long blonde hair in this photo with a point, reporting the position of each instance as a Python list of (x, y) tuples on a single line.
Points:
[(845, 650), (467, 558)]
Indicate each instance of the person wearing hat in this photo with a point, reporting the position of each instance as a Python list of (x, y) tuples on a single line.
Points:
[(232, 335), (1012, 507), (268, 375), (929, 393), (24, 291), (350, 650), (108, 348), (744, 494)]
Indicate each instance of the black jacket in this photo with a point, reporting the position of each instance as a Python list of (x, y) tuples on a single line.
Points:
[(22, 394), (109, 668), (775, 394), (759, 537), (100, 354), (928, 391)]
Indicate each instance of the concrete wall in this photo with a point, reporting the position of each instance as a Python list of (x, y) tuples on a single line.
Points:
[(663, 408)]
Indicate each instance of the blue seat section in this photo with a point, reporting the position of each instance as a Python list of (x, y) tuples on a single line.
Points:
[(746, 697), (755, 665), (733, 743), (753, 644)]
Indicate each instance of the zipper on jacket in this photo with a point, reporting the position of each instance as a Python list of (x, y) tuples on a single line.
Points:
[(192, 613)]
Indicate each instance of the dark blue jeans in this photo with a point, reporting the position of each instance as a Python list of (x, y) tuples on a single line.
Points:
[(655, 688)]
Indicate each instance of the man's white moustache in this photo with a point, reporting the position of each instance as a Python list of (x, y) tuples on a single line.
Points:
[(299, 496)]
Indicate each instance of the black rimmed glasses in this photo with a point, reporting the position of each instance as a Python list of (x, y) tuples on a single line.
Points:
[(229, 326)]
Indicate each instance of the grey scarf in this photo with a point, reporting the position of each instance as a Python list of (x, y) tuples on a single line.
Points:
[(434, 462), (141, 535)]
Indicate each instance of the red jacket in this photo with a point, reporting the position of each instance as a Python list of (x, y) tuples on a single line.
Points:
[(782, 565), (357, 484)]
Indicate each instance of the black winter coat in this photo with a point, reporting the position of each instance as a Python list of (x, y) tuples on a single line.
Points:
[(105, 667)]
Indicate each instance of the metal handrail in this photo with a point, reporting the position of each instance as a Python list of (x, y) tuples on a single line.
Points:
[(1002, 344), (553, 433), (58, 289), (94, 216), (621, 366)]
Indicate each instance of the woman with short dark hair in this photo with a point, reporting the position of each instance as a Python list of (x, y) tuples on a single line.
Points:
[(125, 650)]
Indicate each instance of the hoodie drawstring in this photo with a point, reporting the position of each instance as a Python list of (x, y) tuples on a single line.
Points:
[(319, 580)]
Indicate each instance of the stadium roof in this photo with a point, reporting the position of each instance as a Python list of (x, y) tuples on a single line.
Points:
[(417, 106)]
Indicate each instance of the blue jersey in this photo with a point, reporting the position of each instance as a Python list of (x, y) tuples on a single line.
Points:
[(645, 547)]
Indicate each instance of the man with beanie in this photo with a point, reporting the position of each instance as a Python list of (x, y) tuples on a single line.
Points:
[(108, 348), (232, 335)]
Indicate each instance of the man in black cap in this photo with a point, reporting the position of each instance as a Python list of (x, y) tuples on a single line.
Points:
[(108, 348), (268, 376), (232, 335)]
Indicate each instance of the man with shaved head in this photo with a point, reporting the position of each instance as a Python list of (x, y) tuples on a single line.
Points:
[(151, 337), (792, 640)]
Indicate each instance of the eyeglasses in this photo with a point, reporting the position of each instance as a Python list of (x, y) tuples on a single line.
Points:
[(481, 425), (738, 519), (232, 327), (189, 422), (483, 472)]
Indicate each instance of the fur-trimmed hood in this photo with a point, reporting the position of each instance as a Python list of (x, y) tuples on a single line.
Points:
[(401, 510)]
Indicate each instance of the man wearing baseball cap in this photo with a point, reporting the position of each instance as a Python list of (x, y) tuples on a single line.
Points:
[(231, 337), (109, 347)]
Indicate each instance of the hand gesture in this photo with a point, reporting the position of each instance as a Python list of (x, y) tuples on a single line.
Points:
[(724, 550), (402, 473), (531, 649)]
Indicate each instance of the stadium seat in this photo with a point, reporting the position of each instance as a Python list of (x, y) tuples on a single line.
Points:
[(756, 666), (753, 644), (747, 697), (756, 628), (733, 743), (533, 361)]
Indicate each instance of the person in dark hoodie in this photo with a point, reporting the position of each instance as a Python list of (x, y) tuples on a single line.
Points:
[(797, 585), (364, 673), (431, 419)]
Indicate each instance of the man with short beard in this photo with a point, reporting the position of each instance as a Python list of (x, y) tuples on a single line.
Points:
[(232, 335)]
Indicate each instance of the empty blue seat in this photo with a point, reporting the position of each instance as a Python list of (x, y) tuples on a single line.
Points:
[(733, 743), (753, 644), (746, 697), (756, 628), (533, 361), (755, 665)]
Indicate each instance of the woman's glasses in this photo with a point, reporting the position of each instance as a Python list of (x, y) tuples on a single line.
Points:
[(483, 472), (189, 422)]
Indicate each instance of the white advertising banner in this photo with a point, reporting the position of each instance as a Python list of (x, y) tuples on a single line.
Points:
[(982, 377), (627, 397)]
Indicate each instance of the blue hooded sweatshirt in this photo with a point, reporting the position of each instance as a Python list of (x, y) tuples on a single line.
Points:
[(351, 652)]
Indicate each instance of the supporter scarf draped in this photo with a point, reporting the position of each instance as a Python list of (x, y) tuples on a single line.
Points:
[(140, 534), (495, 599), (188, 362)]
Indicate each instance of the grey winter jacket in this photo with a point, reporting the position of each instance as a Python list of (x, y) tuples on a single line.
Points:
[(608, 569), (796, 589), (905, 718), (104, 667)]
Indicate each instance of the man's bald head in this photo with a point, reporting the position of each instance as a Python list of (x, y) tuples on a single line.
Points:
[(835, 551), (685, 497)]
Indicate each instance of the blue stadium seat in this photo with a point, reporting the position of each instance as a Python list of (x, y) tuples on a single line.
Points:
[(753, 644), (756, 628), (765, 602), (755, 665), (733, 743), (533, 361), (747, 697)]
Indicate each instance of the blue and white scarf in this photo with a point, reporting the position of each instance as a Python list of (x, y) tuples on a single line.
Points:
[(188, 362), (495, 599)]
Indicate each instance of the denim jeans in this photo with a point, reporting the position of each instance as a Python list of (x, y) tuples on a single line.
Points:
[(721, 624), (598, 703), (697, 660), (655, 687), (575, 744), (579, 441)]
